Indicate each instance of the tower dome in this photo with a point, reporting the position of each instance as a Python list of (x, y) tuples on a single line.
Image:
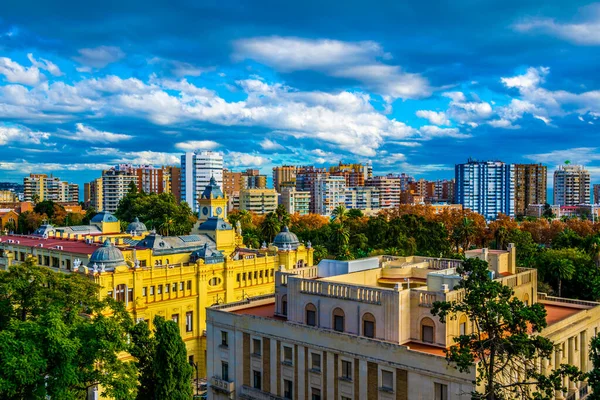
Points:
[(136, 226), (287, 239), (212, 190), (109, 255)]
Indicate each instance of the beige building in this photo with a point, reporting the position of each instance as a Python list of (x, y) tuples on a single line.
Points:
[(8, 196), (530, 186), (260, 201), (295, 201), (43, 187), (363, 329), (389, 189), (115, 185), (571, 185), (285, 173), (362, 198)]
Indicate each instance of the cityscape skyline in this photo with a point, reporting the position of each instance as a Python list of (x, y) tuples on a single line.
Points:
[(266, 90)]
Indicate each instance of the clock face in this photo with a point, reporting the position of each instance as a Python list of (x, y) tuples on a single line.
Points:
[(219, 210), (205, 210)]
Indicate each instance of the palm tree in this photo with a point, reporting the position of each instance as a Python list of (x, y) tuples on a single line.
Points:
[(464, 233), (167, 226), (560, 269), (501, 237), (339, 213), (270, 227), (245, 218), (340, 237)]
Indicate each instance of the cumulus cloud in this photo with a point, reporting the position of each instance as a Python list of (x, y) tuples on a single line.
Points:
[(11, 134), (45, 65), (194, 145), (86, 133), (27, 167), (435, 118), (360, 61), (16, 73), (466, 111), (577, 155), (238, 159), (432, 131), (531, 79), (267, 144), (99, 57), (584, 30), (180, 69), (116, 156)]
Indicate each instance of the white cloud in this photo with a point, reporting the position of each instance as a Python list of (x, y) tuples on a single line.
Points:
[(391, 159), (27, 167), (193, 145), (584, 31), (432, 131), (532, 78), (99, 57), (16, 73), (45, 65), (86, 133), (179, 68), (267, 144), (406, 144), (238, 159), (577, 155), (435, 118), (502, 123), (10, 135), (464, 111), (116, 156), (360, 61)]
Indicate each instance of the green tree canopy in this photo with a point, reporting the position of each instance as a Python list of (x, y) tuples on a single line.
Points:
[(501, 345)]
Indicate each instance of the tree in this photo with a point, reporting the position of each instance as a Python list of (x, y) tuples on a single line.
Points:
[(270, 227), (548, 213), (464, 234), (81, 345), (162, 361), (339, 213), (501, 346), (593, 376)]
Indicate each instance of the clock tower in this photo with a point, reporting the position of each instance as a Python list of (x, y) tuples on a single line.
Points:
[(212, 202)]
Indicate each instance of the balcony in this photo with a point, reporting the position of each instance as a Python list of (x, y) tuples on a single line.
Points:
[(222, 385), (247, 392)]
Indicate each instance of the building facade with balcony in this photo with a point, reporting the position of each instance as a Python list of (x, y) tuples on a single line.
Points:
[(295, 201), (362, 198), (571, 185), (329, 192), (260, 201), (363, 329)]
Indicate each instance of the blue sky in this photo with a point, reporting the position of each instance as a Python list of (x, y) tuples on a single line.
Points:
[(410, 86)]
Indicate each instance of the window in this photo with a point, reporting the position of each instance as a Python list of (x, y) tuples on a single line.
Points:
[(255, 274), (129, 295), (311, 315), (427, 330), (191, 360), (167, 287), (287, 354), (284, 305), (338, 320), (189, 285), (181, 286), (463, 328), (260, 274), (175, 318), (244, 276), (387, 380), (256, 347), (369, 325), (224, 339), (159, 289), (144, 290), (346, 370), (110, 294), (189, 324), (151, 290), (288, 388), (225, 371), (441, 391), (237, 278), (120, 293), (316, 361), (315, 394), (257, 379), (175, 286)]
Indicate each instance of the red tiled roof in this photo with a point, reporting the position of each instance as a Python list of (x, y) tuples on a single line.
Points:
[(69, 246)]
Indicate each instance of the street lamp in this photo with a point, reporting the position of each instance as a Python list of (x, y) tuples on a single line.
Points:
[(195, 365)]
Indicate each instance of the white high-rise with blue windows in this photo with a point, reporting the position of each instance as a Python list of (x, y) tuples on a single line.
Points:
[(196, 170), (486, 187)]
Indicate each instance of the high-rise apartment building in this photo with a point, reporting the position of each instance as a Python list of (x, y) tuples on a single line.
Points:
[(444, 190), (355, 174), (596, 194), (92, 193), (362, 198), (571, 185), (530, 186), (329, 192), (389, 187), (232, 182), (285, 173), (115, 185), (305, 181), (252, 179), (151, 179), (486, 187), (43, 187), (196, 170), (295, 201), (260, 201), (174, 176)]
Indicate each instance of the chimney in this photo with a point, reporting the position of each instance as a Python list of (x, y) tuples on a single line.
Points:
[(484, 254), (512, 258)]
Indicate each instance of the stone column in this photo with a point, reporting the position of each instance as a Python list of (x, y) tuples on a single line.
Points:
[(362, 380), (301, 368), (571, 358), (330, 376), (559, 393)]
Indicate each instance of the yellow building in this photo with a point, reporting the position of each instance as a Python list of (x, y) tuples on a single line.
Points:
[(260, 201), (175, 277)]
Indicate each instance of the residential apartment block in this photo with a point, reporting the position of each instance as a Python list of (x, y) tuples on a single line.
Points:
[(530, 186), (364, 198), (196, 170), (260, 201), (486, 187), (390, 187), (355, 174), (295, 201), (306, 180), (571, 185), (363, 329), (596, 194), (115, 185), (43, 187), (283, 174), (329, 192)]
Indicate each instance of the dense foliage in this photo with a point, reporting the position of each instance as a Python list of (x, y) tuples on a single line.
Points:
[(157, 211), (48, 211), (501, 343)]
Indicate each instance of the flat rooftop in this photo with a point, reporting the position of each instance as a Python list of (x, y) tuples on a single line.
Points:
[(556, 313)]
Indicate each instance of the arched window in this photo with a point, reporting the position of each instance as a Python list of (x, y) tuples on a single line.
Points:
[(462, 325), (526, 299), (427, 330), (338, 319), (284, 305), (311, 314), (368, 324)]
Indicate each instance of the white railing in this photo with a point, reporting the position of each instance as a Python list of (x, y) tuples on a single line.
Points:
[(222, 385), (341, 291), (585, 303), (442, 263), (426, 299), (306, 272)]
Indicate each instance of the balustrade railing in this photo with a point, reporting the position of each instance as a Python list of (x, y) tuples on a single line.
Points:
[(342, 291)]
